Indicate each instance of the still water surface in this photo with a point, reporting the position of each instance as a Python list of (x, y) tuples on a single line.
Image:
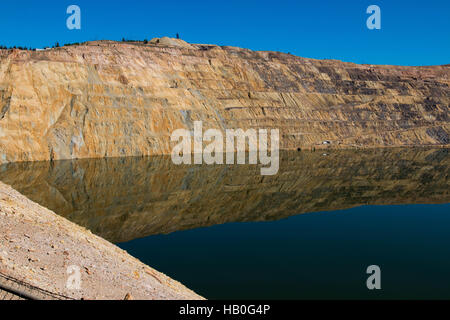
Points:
[(227, 232)]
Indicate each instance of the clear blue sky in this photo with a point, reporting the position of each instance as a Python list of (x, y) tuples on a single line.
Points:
[(412, 32)]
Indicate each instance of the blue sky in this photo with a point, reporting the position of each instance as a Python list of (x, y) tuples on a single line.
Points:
[(412, 32)]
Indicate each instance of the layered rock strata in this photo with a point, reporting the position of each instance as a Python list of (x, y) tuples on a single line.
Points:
[(111, 99)]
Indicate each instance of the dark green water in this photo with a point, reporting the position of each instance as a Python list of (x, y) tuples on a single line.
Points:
[(316, 255), (227, 232)]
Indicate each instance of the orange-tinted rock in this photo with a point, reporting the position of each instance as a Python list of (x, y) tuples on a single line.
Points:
[(110, 99)]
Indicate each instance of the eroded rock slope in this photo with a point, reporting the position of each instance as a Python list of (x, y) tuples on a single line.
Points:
[(110, 99)]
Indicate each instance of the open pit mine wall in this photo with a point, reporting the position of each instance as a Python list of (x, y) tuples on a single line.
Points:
[(110, 99)]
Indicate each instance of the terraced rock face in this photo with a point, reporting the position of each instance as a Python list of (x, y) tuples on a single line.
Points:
[(109, 99)]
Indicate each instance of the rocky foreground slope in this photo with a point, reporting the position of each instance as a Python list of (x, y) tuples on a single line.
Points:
[(42, 249), (109, 99)]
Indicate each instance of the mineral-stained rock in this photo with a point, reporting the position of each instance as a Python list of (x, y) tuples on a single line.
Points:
[(109, 99)]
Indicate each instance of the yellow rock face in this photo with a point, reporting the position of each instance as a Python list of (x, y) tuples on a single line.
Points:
[(110, 99)]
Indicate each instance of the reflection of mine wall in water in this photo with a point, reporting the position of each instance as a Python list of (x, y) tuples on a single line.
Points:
[(125, 198)]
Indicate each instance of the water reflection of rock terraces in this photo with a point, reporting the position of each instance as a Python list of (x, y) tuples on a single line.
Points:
[(125, 198)]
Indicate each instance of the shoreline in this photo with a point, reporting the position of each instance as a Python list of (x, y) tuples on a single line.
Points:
[(37, 247), (319, 147)]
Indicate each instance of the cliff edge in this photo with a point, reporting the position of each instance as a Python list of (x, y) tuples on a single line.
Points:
[(113, 99)]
